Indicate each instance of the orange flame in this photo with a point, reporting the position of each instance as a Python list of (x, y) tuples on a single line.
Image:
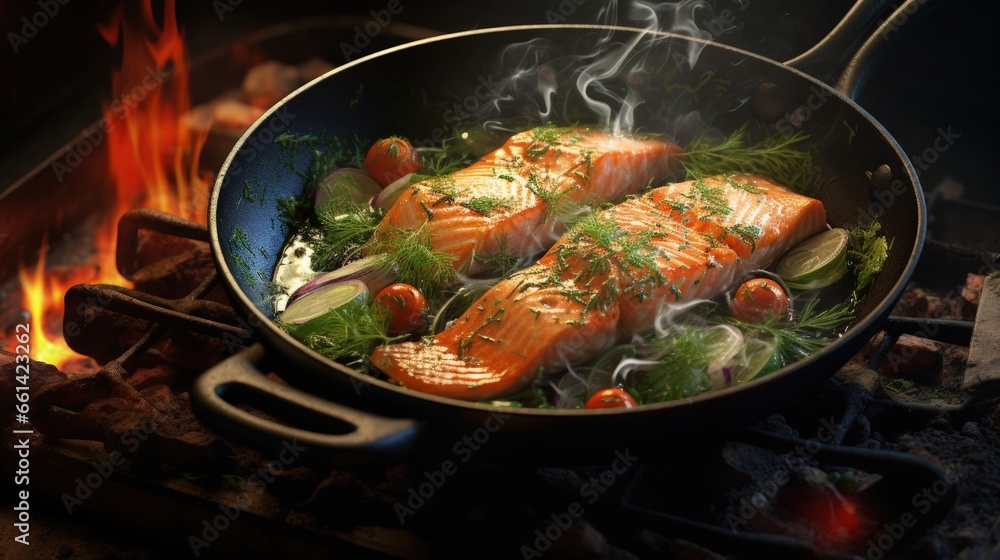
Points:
[(153, 159)]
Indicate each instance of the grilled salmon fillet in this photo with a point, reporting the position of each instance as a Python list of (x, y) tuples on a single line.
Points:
[(606, 279), (511, 200)]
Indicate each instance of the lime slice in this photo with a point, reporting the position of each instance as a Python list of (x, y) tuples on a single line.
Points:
[(817, 262), (752, 360)]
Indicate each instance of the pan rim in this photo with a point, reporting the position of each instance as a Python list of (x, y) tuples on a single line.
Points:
[(873, 319)]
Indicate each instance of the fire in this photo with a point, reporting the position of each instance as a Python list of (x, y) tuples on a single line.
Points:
[(153, 160)]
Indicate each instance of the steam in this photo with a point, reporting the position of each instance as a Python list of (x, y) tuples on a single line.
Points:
[(606, 73)]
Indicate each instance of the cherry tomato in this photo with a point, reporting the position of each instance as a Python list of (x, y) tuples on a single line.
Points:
[(612, 397), (391, 158), (757, 299), (407, 306)]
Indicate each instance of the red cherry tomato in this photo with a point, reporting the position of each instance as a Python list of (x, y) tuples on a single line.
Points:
[(407, 306), (391, 158), (757, 299), (612, 397)]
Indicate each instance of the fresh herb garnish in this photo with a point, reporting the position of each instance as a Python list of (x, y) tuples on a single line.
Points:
[(348, 332), (866, 253), (780, 157), (344, 227), (807, 332), (487, 205), (683, 355), (411, 255)]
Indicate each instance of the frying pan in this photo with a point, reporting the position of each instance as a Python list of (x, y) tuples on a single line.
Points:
[(431, 88)]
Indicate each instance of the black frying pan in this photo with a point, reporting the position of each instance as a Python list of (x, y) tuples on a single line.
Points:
[(409, 90)]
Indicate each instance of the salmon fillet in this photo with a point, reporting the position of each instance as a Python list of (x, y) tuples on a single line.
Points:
[(606, 279), (511, 200)]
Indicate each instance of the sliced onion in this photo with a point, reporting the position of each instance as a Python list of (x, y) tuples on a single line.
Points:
[(752, 360), (347, 184), (390, 194), (726, 342), (321, 300), (366, 269)]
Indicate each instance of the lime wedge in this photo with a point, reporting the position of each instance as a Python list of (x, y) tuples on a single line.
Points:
[(817, 262), (752, 360)]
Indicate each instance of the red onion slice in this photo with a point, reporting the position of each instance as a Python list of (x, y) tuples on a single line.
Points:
[(321, 300), (366, 269), (390, 194)]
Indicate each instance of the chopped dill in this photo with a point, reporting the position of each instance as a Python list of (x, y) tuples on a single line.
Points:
[(712, 199), (498, 263), (487, 205), (866, 254), (559, 204), (239, 239), (412, 256), (446, 187), (747, 234), (328, 153), (684, 356)]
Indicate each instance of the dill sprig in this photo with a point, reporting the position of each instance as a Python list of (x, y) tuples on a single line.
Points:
[(780, 157), (499, 263), (349, 332), (684, 354), (344, 227), (411, 255), (866, 253), (807, 332)]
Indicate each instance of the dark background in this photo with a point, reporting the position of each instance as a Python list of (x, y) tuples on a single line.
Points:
[(934, 74)]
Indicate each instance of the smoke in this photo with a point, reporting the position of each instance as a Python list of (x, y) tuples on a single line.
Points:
[(602, 81)]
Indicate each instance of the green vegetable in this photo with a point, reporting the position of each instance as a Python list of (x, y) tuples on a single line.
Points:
[(817, 262), (345, 294), (346, 332), (684, 354), (343, 227), (412, 256), (866, 253), (807, 332), (781, 157)]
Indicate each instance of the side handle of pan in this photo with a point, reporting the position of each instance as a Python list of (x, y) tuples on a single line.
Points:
[(860, 26), (354, 435)]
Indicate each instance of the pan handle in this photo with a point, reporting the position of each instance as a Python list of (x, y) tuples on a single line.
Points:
[(857, 26), (357, 436), (871, 51)]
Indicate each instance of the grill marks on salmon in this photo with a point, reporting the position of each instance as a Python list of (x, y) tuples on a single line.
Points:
[(511, 200), (604, 280)]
